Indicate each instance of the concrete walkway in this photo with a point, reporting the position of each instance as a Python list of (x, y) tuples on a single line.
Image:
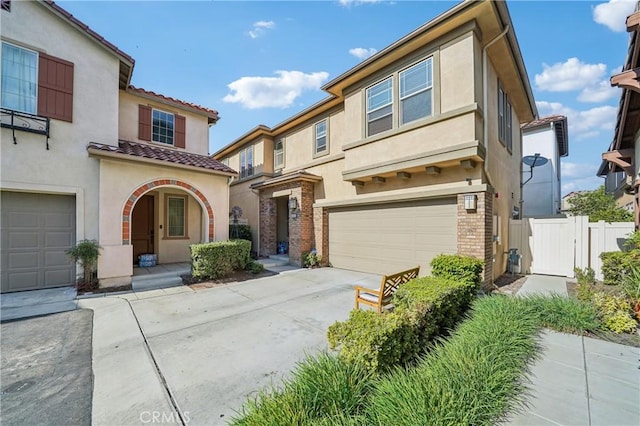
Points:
[(24, 304), (578, 380)]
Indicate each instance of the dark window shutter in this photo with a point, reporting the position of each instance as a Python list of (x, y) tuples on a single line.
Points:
[(144, 122), (180, 141), (55, 88)]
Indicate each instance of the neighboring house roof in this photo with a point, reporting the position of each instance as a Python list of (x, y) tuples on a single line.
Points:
[(559, 123), (210, 113), (142, 152), (126, 61), (299, 175)]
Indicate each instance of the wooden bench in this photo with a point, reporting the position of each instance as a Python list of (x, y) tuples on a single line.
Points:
[(390, 283)]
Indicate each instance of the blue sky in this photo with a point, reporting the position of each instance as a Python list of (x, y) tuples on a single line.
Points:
[(262, 62)]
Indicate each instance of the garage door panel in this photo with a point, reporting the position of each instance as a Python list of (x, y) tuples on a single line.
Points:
[(36, 230), (24, 240), (388, 238)]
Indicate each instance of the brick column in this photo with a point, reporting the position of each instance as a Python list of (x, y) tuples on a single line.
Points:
[(321, 232), (268, 220), (301, 235), (475, 232)]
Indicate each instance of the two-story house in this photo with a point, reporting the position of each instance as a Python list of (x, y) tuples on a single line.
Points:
[(416, 151), (85, 155), (544, 142), (621, 163)]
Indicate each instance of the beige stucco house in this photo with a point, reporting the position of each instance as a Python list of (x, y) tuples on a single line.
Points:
[(621, 163), (85, 155), (416, 151)]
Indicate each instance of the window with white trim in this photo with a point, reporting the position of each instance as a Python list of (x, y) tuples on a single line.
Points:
[(505, 131), (19, 79), (380, 107), (246, 162), (321, 137), (176, 207), (278, 154), (416, 91), (163, 126)]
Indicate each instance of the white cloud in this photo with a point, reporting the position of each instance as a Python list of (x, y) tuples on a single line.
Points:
[(362, 52), (613, 14), (357, 2), (260, 27), (579, 176), (582, 124), (570, 75), (582, 184), (600, 92), (278, 92)]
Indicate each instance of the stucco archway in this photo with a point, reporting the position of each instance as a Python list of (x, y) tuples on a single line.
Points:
[(143, 189)]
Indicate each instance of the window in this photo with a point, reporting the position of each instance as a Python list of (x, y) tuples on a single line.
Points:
[(246, 162), (380, 107), (416, 91), (321, 137), (278, 154), (19, 79), (163, 125), (505, 133), (176, 206)]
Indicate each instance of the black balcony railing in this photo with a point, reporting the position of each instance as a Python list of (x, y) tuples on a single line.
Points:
[(24, 122)]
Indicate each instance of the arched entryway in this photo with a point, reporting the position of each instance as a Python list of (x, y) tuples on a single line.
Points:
[(166, 215)]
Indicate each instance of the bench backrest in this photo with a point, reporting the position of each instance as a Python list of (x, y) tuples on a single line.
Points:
[(390, 283)]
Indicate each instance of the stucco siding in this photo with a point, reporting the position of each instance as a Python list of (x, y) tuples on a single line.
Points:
[(457, 74)]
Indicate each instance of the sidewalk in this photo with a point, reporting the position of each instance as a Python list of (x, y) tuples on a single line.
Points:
[(579, 380)]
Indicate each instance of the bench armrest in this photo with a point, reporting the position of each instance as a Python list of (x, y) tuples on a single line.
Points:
[(366, 290)]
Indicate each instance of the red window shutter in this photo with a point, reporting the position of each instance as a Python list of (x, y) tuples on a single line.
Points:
[(180, 141), (144, 122), (55, 87)]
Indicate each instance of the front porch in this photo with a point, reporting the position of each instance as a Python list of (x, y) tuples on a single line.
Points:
[(159, 276)]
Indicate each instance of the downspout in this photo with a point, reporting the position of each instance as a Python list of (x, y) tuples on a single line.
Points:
[(485, 106)]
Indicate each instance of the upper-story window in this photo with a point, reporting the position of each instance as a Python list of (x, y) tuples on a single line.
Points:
[(278, 154), (505, 133), (36, 83), (321, 137), (246, 162), (416, 91), (413, 102), (163, 124), (380, 107)]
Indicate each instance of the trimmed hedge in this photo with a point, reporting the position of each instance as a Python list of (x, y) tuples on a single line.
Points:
[(425, 309), (617, 264), (219, 258), (457, 267), (244, 232)]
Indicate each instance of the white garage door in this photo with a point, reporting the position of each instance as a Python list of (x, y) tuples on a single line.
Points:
[(388, 238), (36, 230)]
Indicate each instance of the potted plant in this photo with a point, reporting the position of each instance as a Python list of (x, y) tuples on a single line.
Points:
[(86, 252)]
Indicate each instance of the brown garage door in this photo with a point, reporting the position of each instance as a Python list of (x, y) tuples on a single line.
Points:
[(36, 230), (388, 238)]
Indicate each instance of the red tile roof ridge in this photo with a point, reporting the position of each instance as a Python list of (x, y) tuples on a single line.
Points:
[(211, 112), (543, 120), (145, 150)]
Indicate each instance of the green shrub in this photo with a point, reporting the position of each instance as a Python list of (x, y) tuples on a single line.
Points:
[(311, 259), (424, 309), (254, 267), (322, 389), (586, 279), (376, 341), (631, 283), (617, 264), (86, 252), (217, 259), (457, 267), (633, 242), (615, 312), (243, 232), (563, 314)]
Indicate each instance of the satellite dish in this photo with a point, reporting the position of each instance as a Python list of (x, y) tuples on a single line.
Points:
[(534, 160)]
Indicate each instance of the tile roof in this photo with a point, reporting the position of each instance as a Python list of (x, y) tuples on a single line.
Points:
[(88, 30), (209, 112), (143, 150), (542, 121)]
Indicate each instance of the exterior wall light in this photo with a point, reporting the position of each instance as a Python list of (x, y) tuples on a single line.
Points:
[(293, 203), (470, 202)]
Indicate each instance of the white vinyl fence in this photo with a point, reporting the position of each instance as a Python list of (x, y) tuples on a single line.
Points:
[(556, 246)]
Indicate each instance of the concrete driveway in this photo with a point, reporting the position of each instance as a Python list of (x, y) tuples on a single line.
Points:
[(182, 356)]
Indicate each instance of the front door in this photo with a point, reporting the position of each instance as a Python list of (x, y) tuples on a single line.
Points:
[(142, 226)]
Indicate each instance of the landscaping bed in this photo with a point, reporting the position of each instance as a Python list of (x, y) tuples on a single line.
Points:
[(235, 276)]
